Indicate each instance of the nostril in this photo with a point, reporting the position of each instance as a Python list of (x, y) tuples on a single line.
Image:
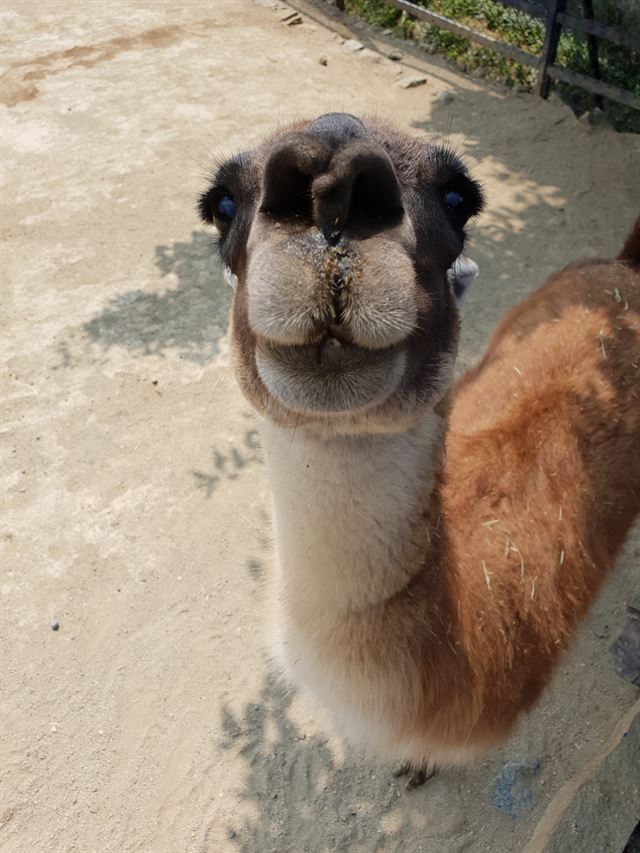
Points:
[(375, 198), (288, 196), (288, 175)]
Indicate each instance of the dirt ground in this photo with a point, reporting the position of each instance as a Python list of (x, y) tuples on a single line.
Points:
[(135, 507)]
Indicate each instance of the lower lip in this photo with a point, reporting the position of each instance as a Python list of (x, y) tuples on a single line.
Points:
[(329, 376)]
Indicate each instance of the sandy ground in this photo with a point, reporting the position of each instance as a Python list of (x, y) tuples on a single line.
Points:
[(135, 504)]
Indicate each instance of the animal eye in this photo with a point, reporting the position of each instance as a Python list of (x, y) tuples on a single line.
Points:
[(226, 208), (461, 201), (453, 199)]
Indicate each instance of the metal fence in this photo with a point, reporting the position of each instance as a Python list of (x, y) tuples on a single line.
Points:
[(555, 16)]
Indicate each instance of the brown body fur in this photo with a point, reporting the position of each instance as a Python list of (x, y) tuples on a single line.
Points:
[(543, 477)]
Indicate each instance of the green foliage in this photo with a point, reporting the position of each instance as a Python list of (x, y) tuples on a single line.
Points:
[(374, 11), (382, 15), (620, 66)]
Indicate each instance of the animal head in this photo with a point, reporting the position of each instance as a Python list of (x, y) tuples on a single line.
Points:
[(338, 234)]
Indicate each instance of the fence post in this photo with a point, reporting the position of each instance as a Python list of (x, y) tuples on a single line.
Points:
[(592, 47), (550, 47)]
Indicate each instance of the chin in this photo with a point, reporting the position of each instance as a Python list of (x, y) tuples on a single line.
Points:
[(330, 391)]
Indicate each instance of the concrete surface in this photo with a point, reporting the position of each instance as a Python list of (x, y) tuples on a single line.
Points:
[(135, 508), (608, 785)]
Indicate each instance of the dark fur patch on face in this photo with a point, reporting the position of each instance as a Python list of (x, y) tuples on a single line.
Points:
[(337, 128)]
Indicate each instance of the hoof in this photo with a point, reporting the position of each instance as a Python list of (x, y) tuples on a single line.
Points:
[(417, 776)]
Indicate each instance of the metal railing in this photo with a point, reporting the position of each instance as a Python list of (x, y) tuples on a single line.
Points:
[(554, 14)]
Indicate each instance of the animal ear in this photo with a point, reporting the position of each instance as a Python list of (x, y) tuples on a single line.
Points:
[(460, 276), (230, 277)]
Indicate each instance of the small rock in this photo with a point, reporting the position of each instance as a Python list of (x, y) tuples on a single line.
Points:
[(353, 46), (371, 55), (323, 60), (602, 631), (387, 32), (395, 55), (444, 98), (55, 625), (412, 82), (231, 834)]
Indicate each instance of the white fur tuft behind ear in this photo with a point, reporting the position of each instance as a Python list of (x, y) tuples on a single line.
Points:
[(460, 276), (230, 278)]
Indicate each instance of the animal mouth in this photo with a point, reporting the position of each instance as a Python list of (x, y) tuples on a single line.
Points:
[(331, 376)]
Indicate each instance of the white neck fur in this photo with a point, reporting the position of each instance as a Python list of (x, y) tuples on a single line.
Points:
[(346, 514)]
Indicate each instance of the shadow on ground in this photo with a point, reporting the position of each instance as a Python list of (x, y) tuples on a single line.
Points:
[(302, 791), (230, 462), (190, 318)]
